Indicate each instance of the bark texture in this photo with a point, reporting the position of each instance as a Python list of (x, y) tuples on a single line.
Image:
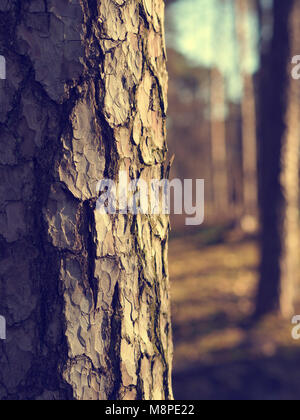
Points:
[(86, 296)]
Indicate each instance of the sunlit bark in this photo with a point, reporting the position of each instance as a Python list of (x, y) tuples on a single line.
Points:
[(86, 296)]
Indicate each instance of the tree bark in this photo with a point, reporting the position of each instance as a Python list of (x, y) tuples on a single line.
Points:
[(85, 295), (279, 165)]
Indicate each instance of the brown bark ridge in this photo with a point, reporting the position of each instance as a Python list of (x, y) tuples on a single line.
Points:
[(85, 295), (279, 165)]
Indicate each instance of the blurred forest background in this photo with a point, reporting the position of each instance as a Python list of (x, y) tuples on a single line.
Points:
[(233, 120)]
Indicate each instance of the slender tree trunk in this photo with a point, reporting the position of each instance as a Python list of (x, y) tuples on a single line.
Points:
[(290, 181), (85, 296), (279, 165), (250, 187), (218, 144)]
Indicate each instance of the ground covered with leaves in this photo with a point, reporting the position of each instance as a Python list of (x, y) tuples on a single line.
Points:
[(217, 354)]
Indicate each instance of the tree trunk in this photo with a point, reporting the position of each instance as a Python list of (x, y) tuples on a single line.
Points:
[(290, 181), (218, 144), (250, 186), (279, 165), (85, 295)]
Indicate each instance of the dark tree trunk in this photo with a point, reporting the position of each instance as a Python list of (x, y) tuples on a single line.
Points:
[(278, 159)]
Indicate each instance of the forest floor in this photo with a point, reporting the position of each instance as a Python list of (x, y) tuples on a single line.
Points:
[(213, 287)]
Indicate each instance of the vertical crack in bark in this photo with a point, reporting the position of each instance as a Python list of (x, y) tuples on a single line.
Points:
[(143, 15), (114, 360), (91, 247), (111, 154)]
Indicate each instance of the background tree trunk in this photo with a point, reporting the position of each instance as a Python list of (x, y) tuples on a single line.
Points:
[(279, 165), (290, 180), (248, 111), (218, 143), (86, 296)]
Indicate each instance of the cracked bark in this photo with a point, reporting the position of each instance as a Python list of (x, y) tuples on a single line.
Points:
[(86, 296)]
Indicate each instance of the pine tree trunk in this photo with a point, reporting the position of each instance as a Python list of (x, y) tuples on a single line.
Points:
[(249, 148), (85, 296), (290, 267), (279, 165), (218, 144)]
